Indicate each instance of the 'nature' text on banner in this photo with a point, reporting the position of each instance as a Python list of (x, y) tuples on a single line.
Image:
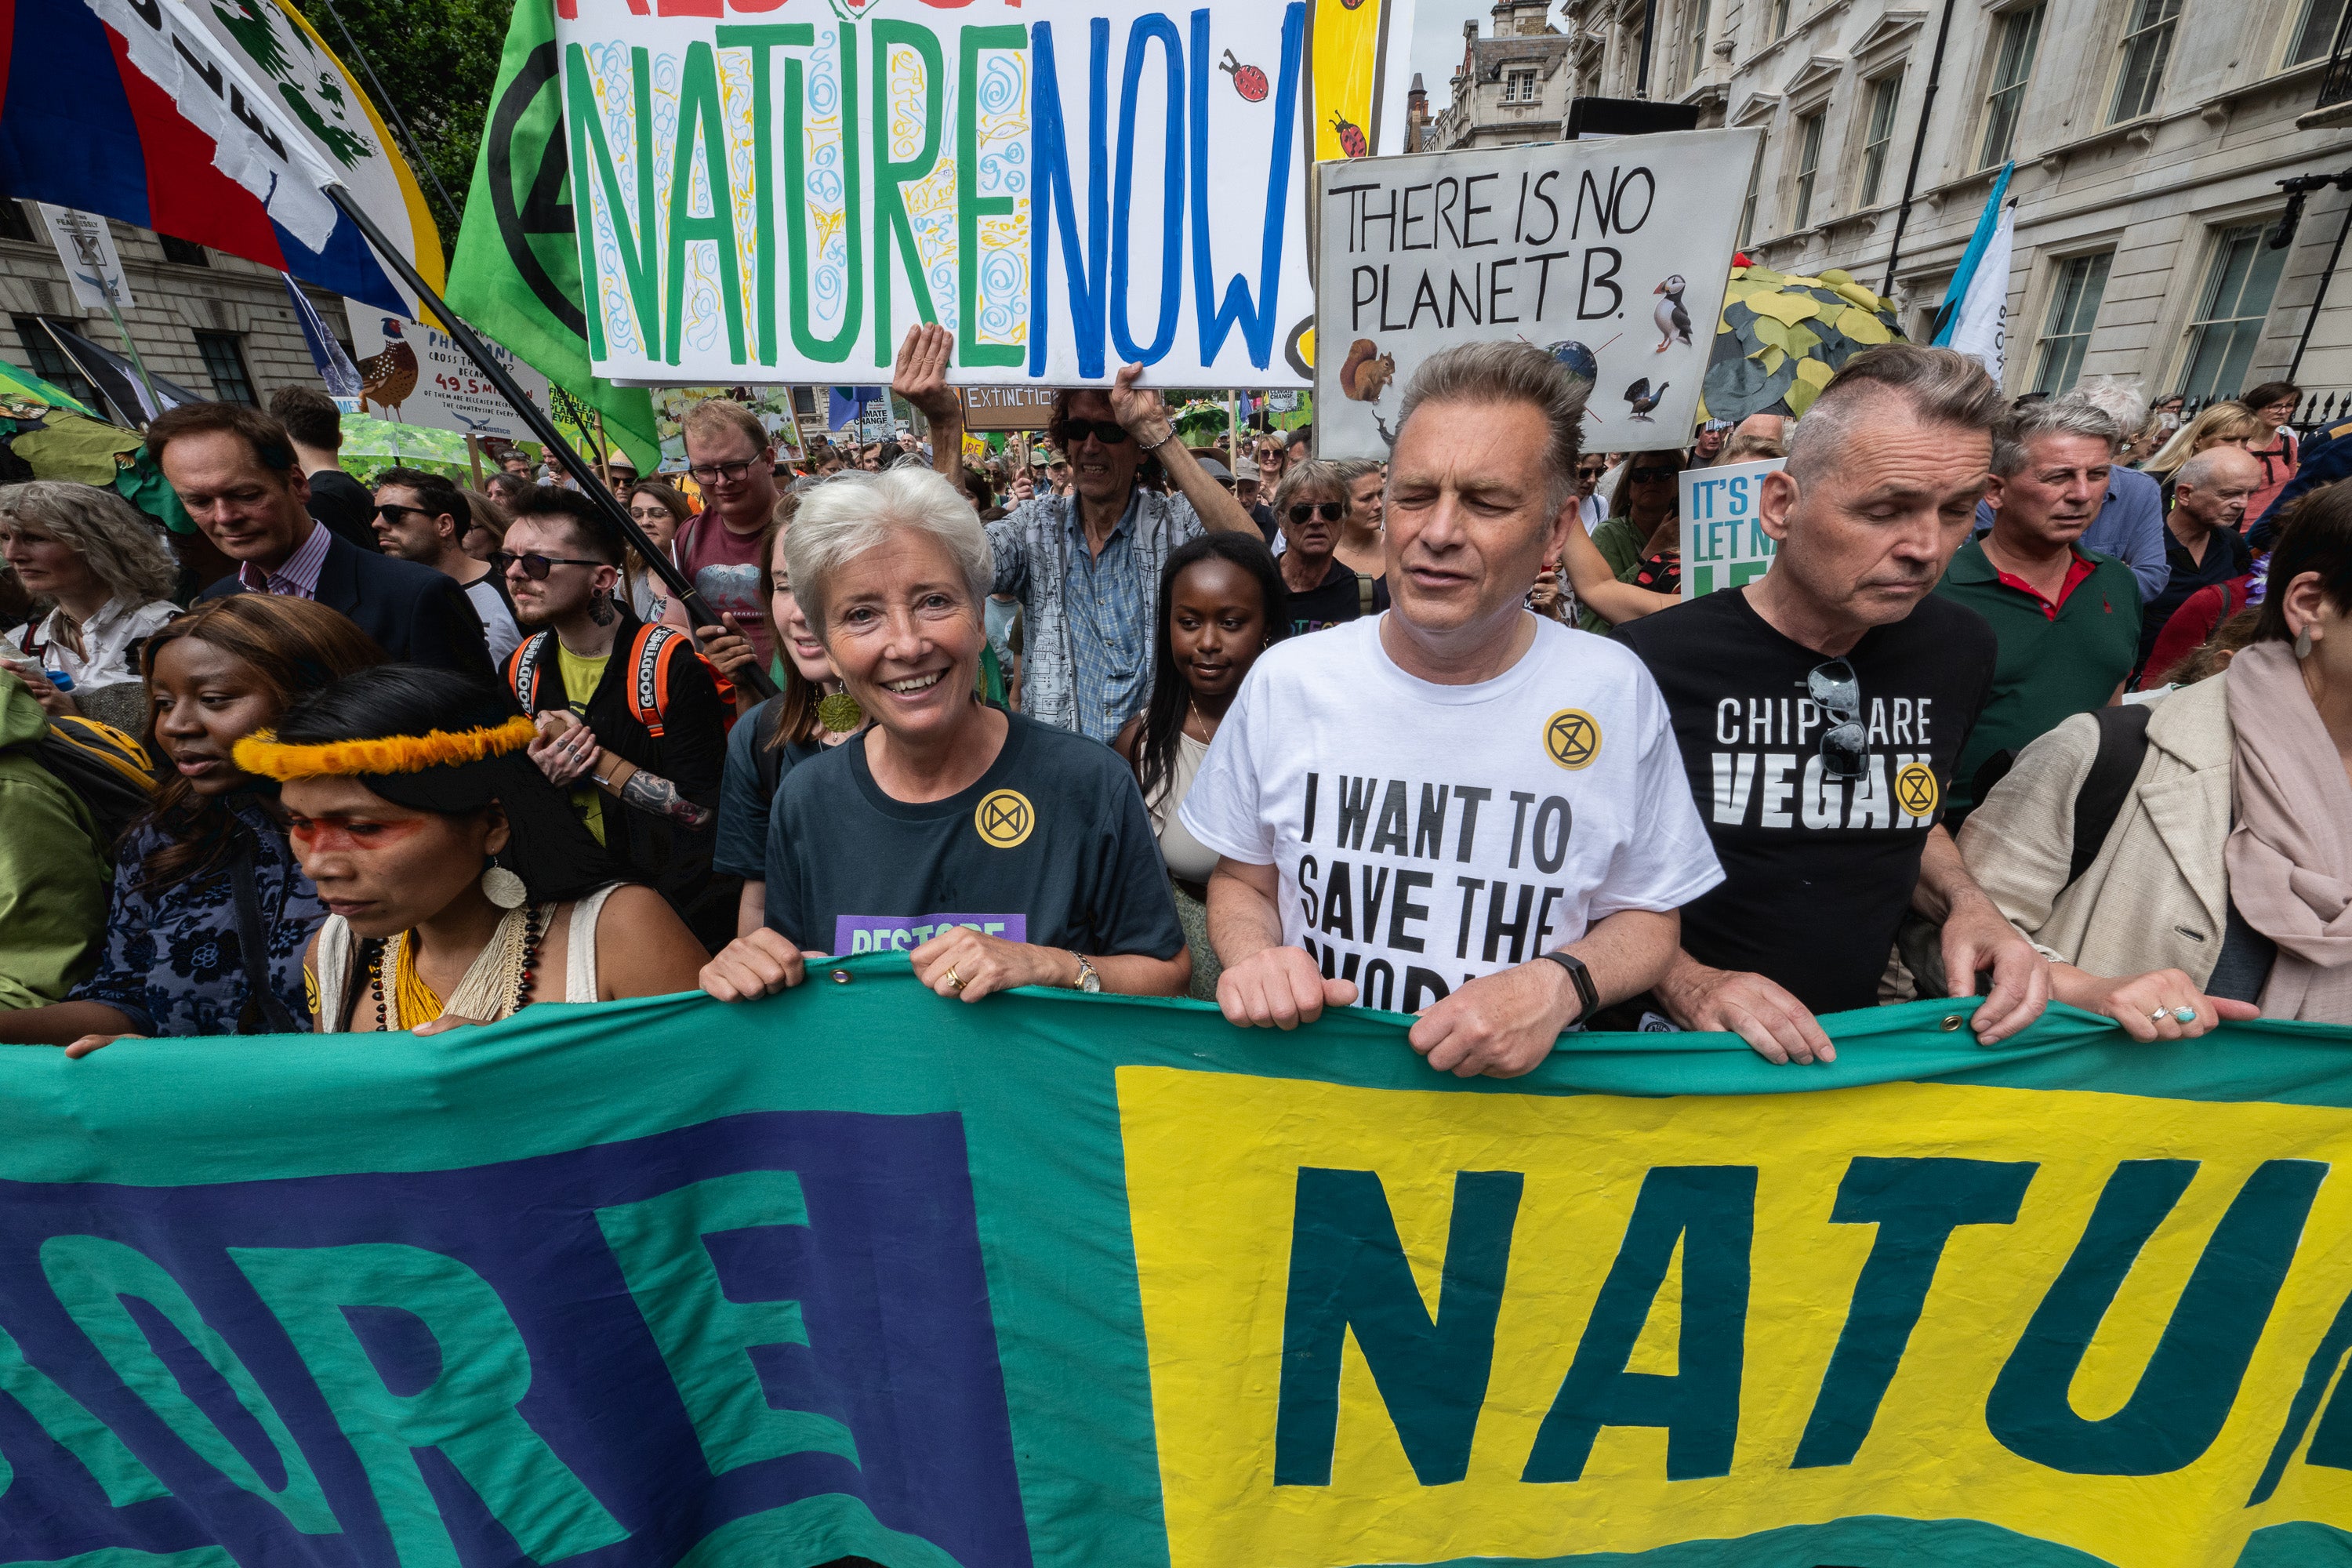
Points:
[(1611, 255), (1077, 1282), (778, 193)]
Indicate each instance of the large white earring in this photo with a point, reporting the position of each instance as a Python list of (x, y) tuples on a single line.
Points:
[(2303, 643), (503, 888)]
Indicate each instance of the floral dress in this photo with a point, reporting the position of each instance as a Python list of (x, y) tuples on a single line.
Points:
[(172, 965)]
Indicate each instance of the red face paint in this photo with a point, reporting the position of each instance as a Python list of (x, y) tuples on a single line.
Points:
[(342, 835)]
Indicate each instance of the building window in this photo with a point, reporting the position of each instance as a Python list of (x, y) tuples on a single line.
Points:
[(185, 252), (46, 360), (1885, 94), (2314, 34), (1808, 166), (2145, 48), (14, 224), (2074, 307), (2020, 35), (1779, 20), (1519, 87), (1747, 207), (2228, 320), (225, 362), (1697, 41)]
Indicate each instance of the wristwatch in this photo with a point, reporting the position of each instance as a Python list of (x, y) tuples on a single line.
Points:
[(1089, 981), (1587, 995)]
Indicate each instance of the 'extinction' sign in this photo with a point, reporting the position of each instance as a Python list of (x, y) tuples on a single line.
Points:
[(1610, 255)]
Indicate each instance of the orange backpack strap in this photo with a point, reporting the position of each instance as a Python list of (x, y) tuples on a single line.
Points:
[(523, 667), (650, 658)]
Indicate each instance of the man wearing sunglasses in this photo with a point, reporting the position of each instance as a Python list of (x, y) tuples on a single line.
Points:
[(422, 517), (1821, 711), (1086, 567), (649, 792)]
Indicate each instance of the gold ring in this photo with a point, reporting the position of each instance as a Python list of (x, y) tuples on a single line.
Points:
[(955, 981)]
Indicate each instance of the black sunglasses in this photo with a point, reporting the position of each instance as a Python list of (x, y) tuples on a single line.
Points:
[(714, 473), (1329, 511), (390, 511), (1845, 744), (1110, 432), (537, 567), (1650, 476)]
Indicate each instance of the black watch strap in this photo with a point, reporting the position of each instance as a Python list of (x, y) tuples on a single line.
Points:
[(1587, 995)]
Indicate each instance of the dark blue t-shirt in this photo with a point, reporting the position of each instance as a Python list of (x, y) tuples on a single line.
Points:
[(745, 798), (1052, 845)]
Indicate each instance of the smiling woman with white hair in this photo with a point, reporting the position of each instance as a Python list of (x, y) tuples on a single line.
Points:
[(994, 850)]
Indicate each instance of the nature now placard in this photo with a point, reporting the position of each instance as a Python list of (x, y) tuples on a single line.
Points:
[(776, 190)]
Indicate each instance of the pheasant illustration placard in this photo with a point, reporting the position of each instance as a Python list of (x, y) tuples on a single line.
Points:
[(1611, 256), (414, 374)]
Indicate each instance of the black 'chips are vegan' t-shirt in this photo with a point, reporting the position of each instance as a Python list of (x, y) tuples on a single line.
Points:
[(1051, 847), (1817, 870)]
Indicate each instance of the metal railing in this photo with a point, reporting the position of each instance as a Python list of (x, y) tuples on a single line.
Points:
[(2336, 82), (2317, 411)]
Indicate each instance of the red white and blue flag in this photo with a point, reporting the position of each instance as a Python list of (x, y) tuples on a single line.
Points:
[(220, 122)]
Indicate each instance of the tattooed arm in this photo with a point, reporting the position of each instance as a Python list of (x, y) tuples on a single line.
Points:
[(651, 793)]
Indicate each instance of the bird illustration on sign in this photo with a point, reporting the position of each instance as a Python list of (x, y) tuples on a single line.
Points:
[(1640, 399), (1673, 322), (386, 378)]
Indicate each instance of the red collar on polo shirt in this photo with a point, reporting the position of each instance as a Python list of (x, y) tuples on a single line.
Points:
[(2078, 569)]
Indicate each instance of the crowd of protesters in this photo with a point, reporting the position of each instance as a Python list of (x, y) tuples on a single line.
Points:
[(2040, 702)]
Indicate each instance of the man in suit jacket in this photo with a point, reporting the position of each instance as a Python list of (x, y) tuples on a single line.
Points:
[(235, 471)]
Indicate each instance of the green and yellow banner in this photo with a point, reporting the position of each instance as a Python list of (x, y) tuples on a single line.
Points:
[(1097, 1283)]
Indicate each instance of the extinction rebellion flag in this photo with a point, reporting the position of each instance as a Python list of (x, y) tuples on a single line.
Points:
[(1100, 1282), (516, 277)]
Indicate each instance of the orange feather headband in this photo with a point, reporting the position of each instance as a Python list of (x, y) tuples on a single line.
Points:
[(263, 753)]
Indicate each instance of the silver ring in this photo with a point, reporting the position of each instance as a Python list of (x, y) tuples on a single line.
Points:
[(2184, 1014), (2160, 1016)]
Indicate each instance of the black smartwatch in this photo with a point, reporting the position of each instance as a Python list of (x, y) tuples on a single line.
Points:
[(1587, 995)]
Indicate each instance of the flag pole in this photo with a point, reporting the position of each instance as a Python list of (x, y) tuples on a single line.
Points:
[(544, 427)]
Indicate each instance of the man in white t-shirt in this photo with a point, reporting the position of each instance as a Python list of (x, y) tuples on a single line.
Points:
[(1457, 808)]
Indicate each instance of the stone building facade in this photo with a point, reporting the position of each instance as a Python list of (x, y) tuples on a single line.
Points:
[(2147, 139), (1510, 88), (217, 325)]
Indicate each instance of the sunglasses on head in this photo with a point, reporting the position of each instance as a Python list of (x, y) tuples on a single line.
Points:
[(1650, 476), (1110, 432), (537, 567), (1329, 510)]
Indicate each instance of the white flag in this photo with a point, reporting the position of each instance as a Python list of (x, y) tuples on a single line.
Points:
[(1981, 329)]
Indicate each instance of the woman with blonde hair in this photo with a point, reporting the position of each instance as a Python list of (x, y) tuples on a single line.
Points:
[(485, 523), (2221, 424), (105, 574)]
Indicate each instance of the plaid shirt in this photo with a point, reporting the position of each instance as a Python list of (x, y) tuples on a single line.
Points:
[(1086, 637)]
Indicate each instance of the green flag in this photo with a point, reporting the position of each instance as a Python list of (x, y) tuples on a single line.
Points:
[(517, 273)]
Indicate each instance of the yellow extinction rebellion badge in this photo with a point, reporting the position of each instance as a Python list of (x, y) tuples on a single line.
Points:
[(1004, 818), (1572, 738), (1915, 791)]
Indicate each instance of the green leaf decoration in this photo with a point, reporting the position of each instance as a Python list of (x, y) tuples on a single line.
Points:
[(1788, 309), (1864, 327)]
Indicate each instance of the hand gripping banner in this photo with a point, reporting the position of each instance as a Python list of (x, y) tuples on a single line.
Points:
[(1053, 1280)]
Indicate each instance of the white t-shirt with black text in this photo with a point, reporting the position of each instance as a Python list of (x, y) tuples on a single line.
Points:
[(1427, 835)]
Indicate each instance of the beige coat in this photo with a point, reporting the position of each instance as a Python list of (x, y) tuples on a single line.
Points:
[(2158, 896)]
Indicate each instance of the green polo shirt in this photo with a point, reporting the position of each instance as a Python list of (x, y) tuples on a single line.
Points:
[(2056, 660)]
